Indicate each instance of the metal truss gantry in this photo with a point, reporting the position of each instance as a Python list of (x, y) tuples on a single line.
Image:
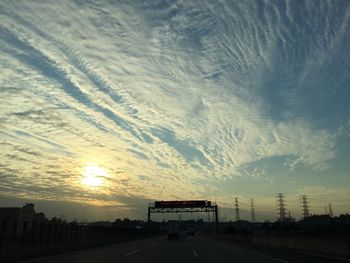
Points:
[(185, 209)]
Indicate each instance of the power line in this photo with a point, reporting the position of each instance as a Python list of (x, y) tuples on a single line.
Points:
[(237, 209), (281, 207), (305, 206), (330, 210), (252, 210)]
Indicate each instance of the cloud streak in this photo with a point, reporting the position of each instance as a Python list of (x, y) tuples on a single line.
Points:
[(173, 92)]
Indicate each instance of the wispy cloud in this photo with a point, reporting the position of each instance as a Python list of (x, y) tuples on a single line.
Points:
[(176, 93)]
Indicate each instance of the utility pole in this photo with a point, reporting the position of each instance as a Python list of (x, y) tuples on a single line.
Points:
[(237, 209), (330, 210), (305, 206), (252, 210), (325, 210), (281, 207), (216, 218)]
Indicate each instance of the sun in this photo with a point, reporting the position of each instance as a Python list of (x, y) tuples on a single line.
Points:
[(93, 176)]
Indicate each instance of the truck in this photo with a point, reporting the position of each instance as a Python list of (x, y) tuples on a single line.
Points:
[(191, 230), (173, 229)]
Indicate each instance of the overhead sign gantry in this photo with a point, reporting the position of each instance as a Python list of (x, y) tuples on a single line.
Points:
[(189, 206)]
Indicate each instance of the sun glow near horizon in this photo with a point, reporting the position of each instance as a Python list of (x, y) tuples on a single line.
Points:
[(93, 176), (182, 99)]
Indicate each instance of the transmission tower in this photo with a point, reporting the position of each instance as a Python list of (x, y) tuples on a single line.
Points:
[(305, 206), (330, 210), (252, 210), (281, 207), (237, 209)]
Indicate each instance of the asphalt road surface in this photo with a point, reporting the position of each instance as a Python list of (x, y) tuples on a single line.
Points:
[(189, 249)]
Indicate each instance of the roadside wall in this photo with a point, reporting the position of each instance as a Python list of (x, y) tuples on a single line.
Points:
[(329, 246), (52, 238)]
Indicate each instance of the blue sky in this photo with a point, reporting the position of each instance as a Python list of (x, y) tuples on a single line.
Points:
[(174, 100)]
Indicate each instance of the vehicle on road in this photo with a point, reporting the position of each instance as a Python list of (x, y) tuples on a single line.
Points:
[(173, 229), (183, 234), (191, 230)]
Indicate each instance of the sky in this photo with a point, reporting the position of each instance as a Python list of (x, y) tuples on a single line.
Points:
[(106, 106)]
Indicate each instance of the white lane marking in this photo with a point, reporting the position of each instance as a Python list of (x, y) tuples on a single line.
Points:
[(319, 255), (258, 254), (54, 256), (194, 253), (132, 252), (252, 252), (47, 258), (265, 256), (154, 243)]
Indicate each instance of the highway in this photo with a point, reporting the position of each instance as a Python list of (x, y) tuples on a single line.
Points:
[(190, 249)]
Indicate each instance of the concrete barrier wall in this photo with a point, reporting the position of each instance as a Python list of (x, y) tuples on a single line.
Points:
[(51, 238), (318, 245)]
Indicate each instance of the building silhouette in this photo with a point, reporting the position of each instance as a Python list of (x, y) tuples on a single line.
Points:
[(15, 221)]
